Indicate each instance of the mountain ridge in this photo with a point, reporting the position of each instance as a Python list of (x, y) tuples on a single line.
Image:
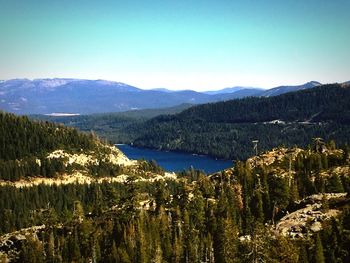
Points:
[(293, 118), (82, 96), (289, 88), (229, 90)]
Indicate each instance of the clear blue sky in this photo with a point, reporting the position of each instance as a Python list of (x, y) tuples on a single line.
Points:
[(177, 44)]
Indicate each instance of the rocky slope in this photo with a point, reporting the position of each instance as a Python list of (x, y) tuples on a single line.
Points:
[(142, 193)]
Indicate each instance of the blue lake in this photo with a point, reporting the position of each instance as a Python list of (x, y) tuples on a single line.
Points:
[(174, 161)]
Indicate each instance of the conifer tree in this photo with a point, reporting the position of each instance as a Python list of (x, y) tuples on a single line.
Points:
[(319, 254), (50, 254), (303, 255)]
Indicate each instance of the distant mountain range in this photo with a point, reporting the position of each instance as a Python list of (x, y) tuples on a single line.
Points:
[(45, 96), (231, 90), (80, 96), (285, 89)]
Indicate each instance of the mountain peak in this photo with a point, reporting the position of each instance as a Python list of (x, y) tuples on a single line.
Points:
[(312, 83), (284, 89)]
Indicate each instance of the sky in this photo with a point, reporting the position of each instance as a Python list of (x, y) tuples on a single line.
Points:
[(190, 44)]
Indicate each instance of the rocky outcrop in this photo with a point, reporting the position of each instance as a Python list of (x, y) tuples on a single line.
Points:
[(308, 220)]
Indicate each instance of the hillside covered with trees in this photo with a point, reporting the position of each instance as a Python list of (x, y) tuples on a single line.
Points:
[(231, 216), (21, 137), (318, 104), (226, 129), (37, 149), (111, 126), (68, 197)]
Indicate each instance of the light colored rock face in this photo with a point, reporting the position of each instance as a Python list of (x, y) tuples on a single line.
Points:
[(83, 178), (113, 155), (75, 178), (106, 153), (299, 223), (82, 159), (277, 154), (316, 226), (317, 198), (338, 170), (8, 242), (118, 157)]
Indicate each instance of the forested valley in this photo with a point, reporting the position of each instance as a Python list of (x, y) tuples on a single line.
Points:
[(242, 214), (226, 129)]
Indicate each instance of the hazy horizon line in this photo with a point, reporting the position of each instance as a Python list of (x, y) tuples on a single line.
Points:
[(164, 87)]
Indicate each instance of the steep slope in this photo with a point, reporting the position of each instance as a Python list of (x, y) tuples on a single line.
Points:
[(226, 129), (310, 104), (22, 138), (285, 89), (231, 214), (241, 92), (39, 149)]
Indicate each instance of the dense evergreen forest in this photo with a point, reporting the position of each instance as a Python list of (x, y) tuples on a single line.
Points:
[(226, 129), (230, 216), (111, 126), (21, 137), (25, 145), (225, 217), (319, 104)]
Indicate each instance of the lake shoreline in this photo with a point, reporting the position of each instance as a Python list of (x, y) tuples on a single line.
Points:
[(175, 161), (175, 151)]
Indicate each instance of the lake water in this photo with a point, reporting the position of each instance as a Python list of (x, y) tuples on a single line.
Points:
[(174, 161)]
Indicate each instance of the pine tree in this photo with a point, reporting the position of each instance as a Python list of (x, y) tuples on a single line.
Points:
[(73, 247), (114, 253), (123, 256), (78, 212), (303, 255), (318, 254), (50, 254), (32, 251), (141, 239), (334, 185), (165, 234), (257, 205), (230, 241)]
